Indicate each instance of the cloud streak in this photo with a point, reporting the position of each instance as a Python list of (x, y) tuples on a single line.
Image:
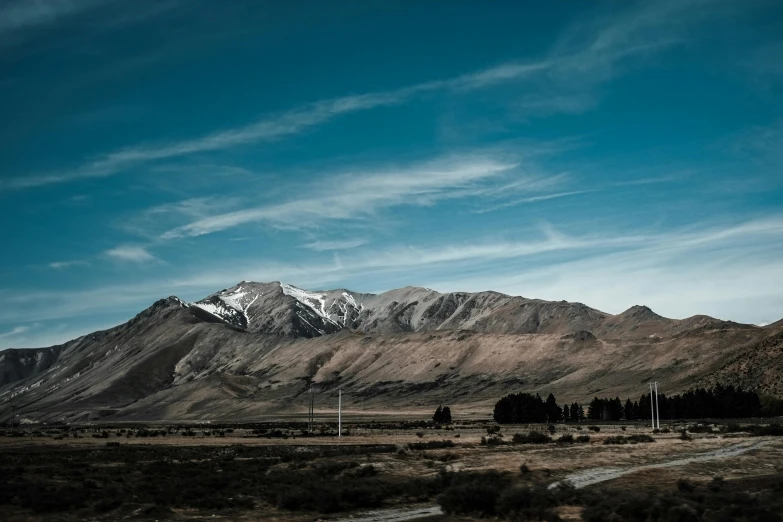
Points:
[(18, 330), (59, 265), (734, 263), (586, 55), (22, 15), (345, 244), (131, 253), (361, 195)]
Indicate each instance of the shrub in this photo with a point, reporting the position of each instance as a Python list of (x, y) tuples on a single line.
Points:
[(491, 441), (420, 434), (552, 429), (527, 503), (699, 428), (566, 439), (533, 437), (583, 438), (594, 428), (473, 494), (640, 437), (633, 439), (775, 430), (684, 486), (433, 444)]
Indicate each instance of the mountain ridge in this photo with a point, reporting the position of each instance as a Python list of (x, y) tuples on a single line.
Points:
[(252, 349)]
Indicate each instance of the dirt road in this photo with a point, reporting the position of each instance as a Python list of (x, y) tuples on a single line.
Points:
[(591, 476), (395, 515)]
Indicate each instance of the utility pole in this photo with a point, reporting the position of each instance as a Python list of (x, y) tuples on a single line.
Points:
[(652, 407), (310, 412), (340, 413), (657, 409)]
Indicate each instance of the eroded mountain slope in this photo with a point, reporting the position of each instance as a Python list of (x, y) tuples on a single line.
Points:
[(254, 349)]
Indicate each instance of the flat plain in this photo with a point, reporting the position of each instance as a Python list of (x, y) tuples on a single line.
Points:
[(378, 471)]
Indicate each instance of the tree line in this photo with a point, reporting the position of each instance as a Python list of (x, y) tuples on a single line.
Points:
[(721, 402), (522, 408)]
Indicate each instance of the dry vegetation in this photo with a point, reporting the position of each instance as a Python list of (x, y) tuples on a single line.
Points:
[(277, 472)]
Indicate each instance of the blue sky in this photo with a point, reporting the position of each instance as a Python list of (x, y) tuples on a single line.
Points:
[(612, 153)]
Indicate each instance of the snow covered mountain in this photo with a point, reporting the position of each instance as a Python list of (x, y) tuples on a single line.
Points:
[(284, 309), (252, 350)]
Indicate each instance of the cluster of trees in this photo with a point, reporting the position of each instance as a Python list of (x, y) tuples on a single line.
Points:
[(721, 402), (442, 415), (521, 408)]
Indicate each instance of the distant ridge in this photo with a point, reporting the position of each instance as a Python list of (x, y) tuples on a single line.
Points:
[(253, 349)]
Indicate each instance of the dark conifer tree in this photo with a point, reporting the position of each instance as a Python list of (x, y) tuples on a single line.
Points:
[(553, 412), (446, 415), (628, 410), (577, 413), (436, 418)]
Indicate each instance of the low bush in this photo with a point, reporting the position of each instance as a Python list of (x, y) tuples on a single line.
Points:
[(475, 494), (583, 438), (594, 428), (433, 444), (565, 439), (495, 495), (640, 437), (533, 437), (773, 430), (491, 441), (632, 439)]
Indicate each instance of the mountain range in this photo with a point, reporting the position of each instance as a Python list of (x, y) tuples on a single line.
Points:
[(253, 351)]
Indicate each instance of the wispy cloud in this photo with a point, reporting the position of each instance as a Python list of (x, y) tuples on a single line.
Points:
[(131, 253), (586, 54), (18, 330), (59, 265), (344, 244), (25, 14), (530, 199), (361, 195), (680, 271)]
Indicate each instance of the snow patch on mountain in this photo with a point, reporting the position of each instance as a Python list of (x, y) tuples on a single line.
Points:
[(313, 300)]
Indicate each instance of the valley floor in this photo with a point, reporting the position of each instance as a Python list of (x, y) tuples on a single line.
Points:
[(377, 473)]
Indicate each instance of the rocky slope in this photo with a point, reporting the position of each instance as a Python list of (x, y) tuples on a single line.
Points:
[(759, 367), (253, 350), (283, 309)]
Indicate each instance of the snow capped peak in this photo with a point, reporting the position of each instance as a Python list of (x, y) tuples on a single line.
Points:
[(231, 305), (314, 300)]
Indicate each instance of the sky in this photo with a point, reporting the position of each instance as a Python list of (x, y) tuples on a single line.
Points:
[(609, 153)]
